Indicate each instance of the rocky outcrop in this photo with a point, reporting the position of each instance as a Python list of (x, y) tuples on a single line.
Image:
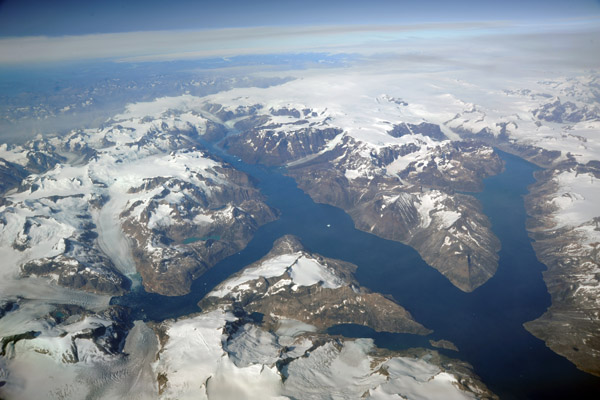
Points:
[(272, 136), (325, 308), (94, 273), (443, 344), (262, 141), (424, 128), (558, 111), (465, 251), (453, 166), (11, 175), (278, 148)]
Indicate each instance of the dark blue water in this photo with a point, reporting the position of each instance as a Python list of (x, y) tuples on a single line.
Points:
[(486, 324)]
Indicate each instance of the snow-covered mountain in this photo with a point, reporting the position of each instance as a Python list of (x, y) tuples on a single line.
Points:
[(139, 195), (227, 351), (286, 354), (395, 174)]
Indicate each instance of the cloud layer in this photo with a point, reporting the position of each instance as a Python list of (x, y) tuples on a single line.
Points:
[(368, 40)]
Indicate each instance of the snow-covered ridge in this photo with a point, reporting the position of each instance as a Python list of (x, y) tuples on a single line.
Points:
[(575, 215), (302, 269)]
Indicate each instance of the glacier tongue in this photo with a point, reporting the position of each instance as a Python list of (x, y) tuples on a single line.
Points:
[(111, 239), (133, 376)]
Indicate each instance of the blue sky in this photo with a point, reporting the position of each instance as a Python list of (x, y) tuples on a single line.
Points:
[(76, 17)]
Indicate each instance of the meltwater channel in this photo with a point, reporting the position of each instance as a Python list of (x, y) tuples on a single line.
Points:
[(486, 325)]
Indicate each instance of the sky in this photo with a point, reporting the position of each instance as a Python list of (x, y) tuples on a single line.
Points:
[(41, 31), (77, 17)]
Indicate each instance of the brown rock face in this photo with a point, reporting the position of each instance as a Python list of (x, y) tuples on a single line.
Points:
[(76, 274), (324, 308), (265, 146)]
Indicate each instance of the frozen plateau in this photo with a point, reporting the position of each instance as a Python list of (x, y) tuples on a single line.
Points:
[(148, 201)]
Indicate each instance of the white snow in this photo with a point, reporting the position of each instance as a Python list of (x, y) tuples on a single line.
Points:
[(401, 163), (199, 363), (57, 365), (307, 271), (448, 218), (14, 154), (352, 174), (252, 344), (431, 208), (197, 367), (158, 107), (304, 271), (161, 217), (577, 199), (254, 382), (202, 219), (111, 238), (351, 372), (132, 378), (292, 328), (192, 354)]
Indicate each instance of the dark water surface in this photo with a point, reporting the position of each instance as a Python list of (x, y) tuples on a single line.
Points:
[(486, 325)]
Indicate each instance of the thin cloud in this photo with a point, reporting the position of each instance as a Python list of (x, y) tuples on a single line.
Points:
[(174, 45)]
